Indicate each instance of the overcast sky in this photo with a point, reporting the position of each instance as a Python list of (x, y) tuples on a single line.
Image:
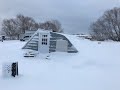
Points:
[(74, 15)]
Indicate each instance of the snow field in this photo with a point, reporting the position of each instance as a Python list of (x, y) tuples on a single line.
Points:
[(94, 67)]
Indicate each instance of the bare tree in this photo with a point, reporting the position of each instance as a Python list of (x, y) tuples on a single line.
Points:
[(26, 23), (57, 26), (9, 26), (15, 27), (53, 25), (107, 26)]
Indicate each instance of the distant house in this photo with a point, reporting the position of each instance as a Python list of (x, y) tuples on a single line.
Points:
[(26, 35), (84, 36), (47, 42)]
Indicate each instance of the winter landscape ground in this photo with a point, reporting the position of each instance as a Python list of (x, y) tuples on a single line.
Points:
[(95, 67)]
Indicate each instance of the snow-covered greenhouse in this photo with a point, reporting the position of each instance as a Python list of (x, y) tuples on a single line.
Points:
[(47, 42)]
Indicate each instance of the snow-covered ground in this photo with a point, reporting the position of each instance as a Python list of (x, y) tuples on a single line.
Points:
[(95, 67)]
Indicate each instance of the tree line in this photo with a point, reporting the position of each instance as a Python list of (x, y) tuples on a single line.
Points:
[(107, 27), (14, 27)]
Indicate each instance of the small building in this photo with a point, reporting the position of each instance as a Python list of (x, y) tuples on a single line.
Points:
[(26, 35), (84, 36), (46, 42)]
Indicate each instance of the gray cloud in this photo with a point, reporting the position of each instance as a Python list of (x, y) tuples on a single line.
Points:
[(75, 15)]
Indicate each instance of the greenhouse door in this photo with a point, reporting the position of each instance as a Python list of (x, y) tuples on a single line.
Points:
[(44, 43)]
